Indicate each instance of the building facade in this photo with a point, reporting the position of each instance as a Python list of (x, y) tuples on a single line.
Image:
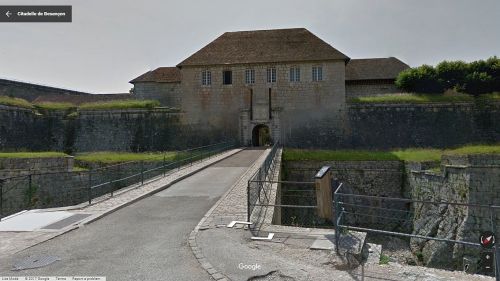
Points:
[(258, 86)]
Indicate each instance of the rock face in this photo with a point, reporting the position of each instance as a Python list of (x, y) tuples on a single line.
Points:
[(469, 179)]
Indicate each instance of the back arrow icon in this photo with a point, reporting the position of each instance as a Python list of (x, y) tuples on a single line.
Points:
[(8, 14)]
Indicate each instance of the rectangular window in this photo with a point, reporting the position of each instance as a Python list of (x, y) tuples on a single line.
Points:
[(206, 78), (249, 76), (271, 75), (227, 77), (317, 73), (294, 74)]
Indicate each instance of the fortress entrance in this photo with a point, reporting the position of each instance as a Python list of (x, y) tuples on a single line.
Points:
[(261, 135)]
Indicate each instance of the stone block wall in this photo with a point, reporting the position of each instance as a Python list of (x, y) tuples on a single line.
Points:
[(56, 189), (354, 89), (30, 92), (367, 126), (469, 179), (111, 130), (377, 178), (168, 94), (422, 125), (385, 126), (220, 105), (10, 167)]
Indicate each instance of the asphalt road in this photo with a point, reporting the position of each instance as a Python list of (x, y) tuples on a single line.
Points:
[(144, 241)]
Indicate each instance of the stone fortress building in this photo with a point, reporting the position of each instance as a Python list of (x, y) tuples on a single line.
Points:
[(259, 85)]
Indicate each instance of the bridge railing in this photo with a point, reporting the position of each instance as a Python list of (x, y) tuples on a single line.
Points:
[(58, 189), (414, 219)]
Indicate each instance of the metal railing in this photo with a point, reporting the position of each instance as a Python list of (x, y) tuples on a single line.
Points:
[(260, 188), (58, 189), (399, 217), (260, 179)]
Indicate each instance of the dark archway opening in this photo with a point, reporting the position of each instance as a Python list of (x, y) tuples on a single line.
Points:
[(261, 135)]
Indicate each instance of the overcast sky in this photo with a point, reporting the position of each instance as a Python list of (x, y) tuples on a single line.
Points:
[(111, 42)]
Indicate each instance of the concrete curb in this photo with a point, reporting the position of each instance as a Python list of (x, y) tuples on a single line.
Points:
[(205, 264), (112, 210)]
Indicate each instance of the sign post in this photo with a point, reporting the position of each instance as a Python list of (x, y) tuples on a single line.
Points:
[(323, 179)]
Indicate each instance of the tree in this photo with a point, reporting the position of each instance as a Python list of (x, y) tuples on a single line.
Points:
[(451, 74), (477, 77), (422, 79)]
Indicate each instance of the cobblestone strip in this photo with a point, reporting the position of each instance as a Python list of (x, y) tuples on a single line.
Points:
[(106, 204), (231, 206)]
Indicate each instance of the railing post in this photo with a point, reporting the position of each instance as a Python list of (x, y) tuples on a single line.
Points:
[(1, 199), (30, 186), (248, 201), (495, 248), (336, 222), (90, 187), (142, 172), (337, 214), (164, 166), (323, 181)]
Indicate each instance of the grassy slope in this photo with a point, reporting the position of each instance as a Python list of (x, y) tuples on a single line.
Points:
[(120, 104), (412, 98), (120, 157), (414, 154), (4, 100), (31, 154), (114, 104)]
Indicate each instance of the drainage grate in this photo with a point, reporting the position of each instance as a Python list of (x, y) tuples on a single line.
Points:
[(66, 222), (34, 262)]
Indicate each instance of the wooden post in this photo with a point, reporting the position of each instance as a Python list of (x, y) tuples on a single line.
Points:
[(324, 200)]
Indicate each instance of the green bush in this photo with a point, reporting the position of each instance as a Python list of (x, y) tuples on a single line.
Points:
[(384, 259), (451, 74), (477, 77), (422, 79)]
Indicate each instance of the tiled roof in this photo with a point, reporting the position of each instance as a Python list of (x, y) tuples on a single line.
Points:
[(161, 74), (79, 99), (374, 69), (264, 46)]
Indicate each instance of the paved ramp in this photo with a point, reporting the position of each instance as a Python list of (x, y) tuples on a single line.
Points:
[(146, 240)]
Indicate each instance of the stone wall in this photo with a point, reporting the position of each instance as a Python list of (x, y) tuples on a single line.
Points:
[(369, 126), (377, 178), (56, 189), (10, 167), (114, 130), (469, 179), (383, 126), (30, 91), (364, 88), (168, 94), (221, 105)]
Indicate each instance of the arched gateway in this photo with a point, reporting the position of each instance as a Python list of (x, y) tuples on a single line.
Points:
[(261, 135)]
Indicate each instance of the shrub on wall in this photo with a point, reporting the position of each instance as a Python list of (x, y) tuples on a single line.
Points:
[(478, 77), (422, 79)]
